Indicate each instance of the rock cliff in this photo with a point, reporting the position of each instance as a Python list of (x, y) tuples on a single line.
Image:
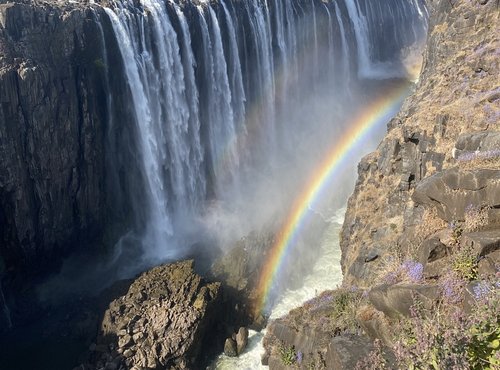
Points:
[(51, 86), (422, 229), (456, 107)]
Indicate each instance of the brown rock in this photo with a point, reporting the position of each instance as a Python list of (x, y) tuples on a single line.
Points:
[(169, 325), (396, 300), (241, 340), (230, 348)]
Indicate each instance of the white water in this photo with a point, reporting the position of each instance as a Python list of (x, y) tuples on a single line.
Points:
[(326, 275)]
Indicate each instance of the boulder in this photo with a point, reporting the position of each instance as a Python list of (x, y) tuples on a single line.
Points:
[(230, 348), (396, 300), (163, 321), (431, 250), (452, 191), (241, 340), (344, 352), (483, 242)]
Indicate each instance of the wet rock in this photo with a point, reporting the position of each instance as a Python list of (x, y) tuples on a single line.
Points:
[(51, 201), (230, 348), (242, 340)]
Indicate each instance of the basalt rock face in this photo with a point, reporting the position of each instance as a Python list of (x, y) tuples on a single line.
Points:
[(440, 153), (50, 93), (168, 314)]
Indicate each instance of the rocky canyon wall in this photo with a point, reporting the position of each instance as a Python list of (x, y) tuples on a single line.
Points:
[(455, 108), (51, 132)]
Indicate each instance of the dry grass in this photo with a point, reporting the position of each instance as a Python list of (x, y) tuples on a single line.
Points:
[(431, 223), (476, 218)]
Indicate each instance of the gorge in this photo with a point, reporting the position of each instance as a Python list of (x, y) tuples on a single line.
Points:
[(138, 133)]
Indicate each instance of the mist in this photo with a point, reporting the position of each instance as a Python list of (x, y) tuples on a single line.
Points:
[(228, 138)]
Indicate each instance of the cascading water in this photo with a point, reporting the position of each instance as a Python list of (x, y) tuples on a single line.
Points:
[(231, 100), (234, 102), (379, 20)]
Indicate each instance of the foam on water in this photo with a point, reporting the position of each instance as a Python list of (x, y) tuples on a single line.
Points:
[(326, 274)]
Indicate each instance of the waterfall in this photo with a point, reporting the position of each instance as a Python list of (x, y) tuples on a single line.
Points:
[(368, 18), (226, 94)]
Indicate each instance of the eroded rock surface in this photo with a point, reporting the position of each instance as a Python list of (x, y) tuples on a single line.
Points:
[(168, 314)]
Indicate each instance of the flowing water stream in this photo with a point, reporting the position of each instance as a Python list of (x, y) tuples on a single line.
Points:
[(325, 275)]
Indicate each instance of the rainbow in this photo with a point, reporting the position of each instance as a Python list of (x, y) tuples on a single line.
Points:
[(361, 126)]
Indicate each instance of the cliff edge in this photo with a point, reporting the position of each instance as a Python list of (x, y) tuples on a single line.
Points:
[(421, 237)]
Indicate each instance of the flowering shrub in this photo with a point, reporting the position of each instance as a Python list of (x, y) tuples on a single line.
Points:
[(408, 271), (484, 347), (449, 338), (434, 341), (486, 155), (452, 287), (299, 357), (487, 158)]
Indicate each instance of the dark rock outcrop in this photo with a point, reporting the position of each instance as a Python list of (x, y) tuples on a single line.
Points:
[(451, 191), (168, 314), (51, 201), (241, 340), (397, 300)]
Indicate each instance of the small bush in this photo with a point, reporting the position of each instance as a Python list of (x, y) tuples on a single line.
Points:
[(464, 263), (343, 308), (288, 355), (449, 338), (484, 347)]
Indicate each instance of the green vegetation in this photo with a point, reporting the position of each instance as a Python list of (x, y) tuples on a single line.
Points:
[(288, 355), (99, 64), (464, 263)]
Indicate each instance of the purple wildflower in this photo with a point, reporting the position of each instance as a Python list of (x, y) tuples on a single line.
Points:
[(481, 290), (299, 357), (414, 270), (452, 288), (487, 154)]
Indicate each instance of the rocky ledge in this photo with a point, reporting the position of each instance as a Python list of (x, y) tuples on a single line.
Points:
[(164, 320)]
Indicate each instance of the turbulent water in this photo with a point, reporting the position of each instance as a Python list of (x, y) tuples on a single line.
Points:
[(232, 102), (326, 274)]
